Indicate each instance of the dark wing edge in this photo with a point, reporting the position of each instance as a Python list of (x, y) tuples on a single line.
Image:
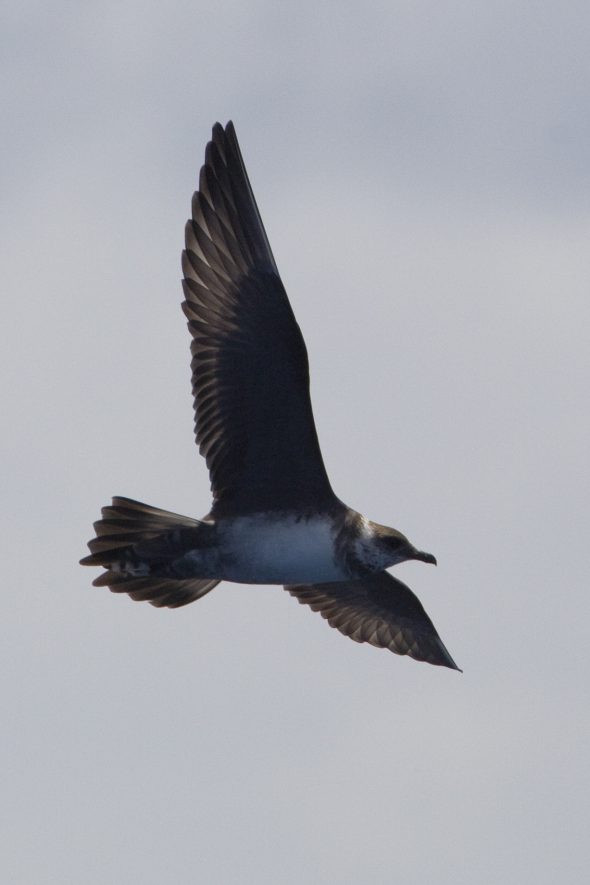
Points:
[(246, 200), (225, 239), (249, 360), (380, 610)]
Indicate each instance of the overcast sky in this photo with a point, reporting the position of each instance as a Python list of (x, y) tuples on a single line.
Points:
[(422, 170)]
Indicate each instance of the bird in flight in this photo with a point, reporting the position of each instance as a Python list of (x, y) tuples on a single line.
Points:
[(274, 517)]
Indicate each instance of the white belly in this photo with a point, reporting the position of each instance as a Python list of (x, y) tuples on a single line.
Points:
[(274, 549)]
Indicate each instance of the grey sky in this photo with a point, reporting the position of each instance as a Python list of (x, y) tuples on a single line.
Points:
[(422, 170)]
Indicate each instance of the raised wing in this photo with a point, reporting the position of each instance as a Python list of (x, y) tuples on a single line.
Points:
[(254, 422), (380, 610)]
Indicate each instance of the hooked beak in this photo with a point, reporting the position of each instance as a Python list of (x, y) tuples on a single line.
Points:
[(425, 557)]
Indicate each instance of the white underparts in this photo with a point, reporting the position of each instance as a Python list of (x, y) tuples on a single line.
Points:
[(278, 549)]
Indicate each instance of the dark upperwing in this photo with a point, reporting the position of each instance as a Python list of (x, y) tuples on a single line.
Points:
[(254, 421)]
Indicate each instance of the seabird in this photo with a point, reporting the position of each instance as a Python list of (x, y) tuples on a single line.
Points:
[(274, 518)]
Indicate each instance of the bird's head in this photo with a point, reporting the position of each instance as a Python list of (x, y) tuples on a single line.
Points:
[(397, 548)]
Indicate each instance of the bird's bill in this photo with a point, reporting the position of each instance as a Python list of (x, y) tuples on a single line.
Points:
[(424, 557)]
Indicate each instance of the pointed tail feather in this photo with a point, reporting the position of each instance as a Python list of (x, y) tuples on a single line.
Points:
[(134, 534)]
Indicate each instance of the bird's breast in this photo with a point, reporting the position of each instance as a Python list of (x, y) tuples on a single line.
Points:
[(279, 549)]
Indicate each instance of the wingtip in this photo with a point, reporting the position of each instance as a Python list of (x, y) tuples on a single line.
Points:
[(219, 130), (232, 138), (449, 662)]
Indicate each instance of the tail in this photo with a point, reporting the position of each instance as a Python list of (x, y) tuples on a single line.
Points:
[(120, 547)]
